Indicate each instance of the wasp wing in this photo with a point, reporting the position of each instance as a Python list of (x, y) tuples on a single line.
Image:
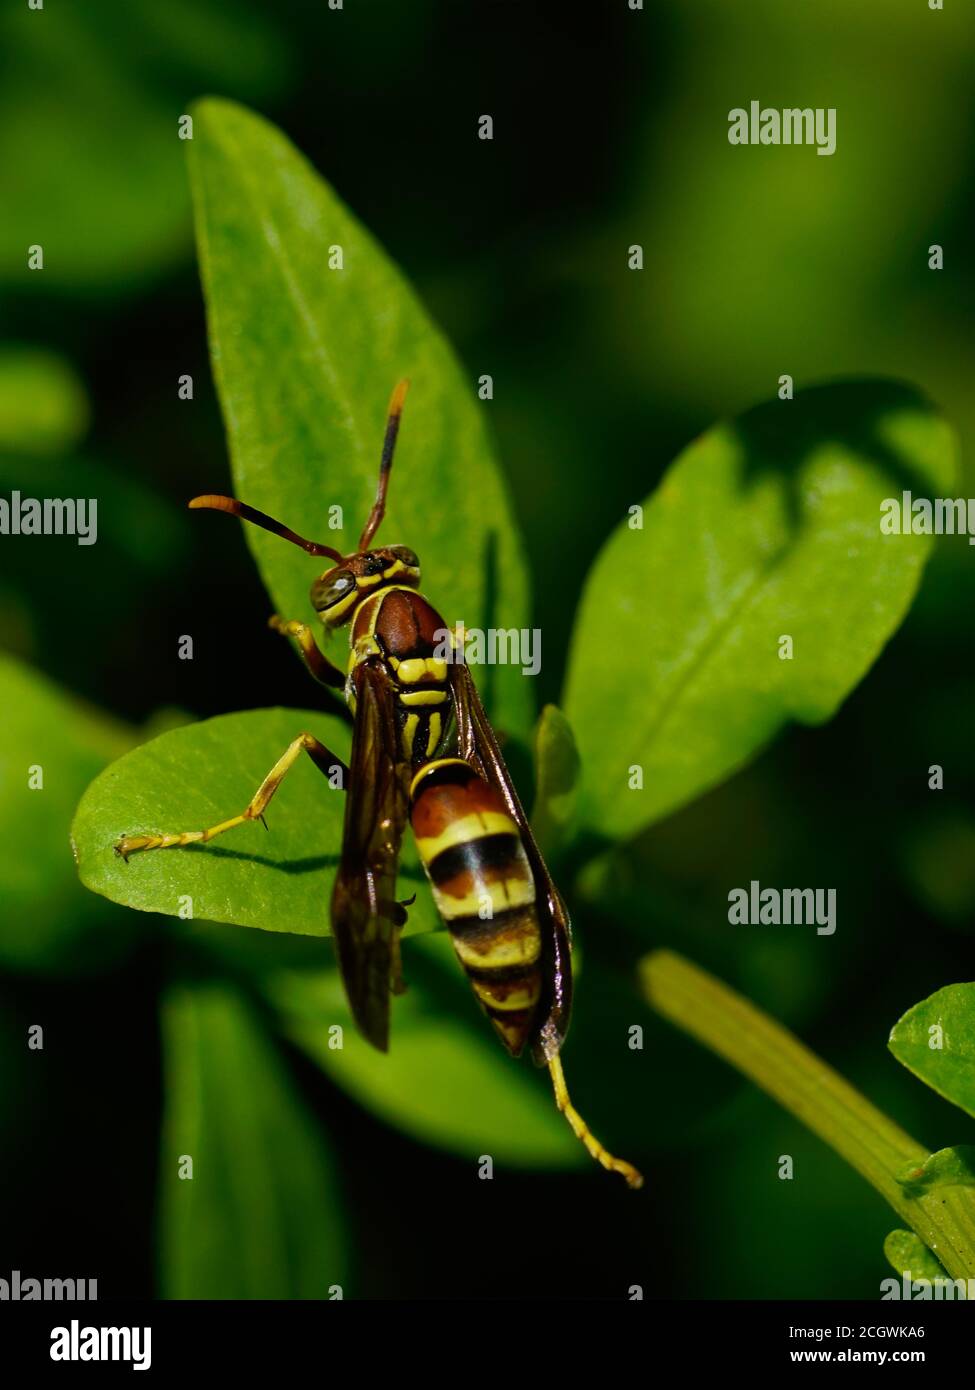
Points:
[(478, 745), (366, 918)]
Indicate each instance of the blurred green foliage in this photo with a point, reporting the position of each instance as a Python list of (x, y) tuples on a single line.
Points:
[(232, 1112), (50, 749), (43, 405), (759, 262), (96, 93)]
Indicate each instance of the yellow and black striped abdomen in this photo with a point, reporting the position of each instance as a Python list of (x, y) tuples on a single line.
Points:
[(484, 890)]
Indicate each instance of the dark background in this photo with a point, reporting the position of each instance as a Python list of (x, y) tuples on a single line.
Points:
[(610, 129)]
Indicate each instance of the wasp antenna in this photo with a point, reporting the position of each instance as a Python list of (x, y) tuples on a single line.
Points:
[(386, 462), (215, 503), (634, 1178)]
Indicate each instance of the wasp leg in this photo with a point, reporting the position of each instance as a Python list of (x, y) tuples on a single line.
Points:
[(319, 665), (582, 1131), (304, 743)]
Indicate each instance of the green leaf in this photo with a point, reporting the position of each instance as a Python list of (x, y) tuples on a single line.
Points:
[(199, 775), (261, 1215), (936, 1041), (556, 778), (908, 1255), (305, 358), (50, 748), (43, 405), (765, 527), (446, 1080), (953, 1167)]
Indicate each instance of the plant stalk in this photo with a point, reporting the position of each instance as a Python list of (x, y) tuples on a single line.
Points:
[(782, 1066)]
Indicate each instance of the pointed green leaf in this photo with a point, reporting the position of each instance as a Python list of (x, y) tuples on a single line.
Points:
[(936, 1041), (765, 528), (259, 1215), (202, 774), (311, 326)]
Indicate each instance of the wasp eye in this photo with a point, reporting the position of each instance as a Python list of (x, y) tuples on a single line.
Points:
[(324, 595), (404, 553)]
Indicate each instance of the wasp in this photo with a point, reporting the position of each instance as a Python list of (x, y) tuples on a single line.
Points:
[(423, 750)]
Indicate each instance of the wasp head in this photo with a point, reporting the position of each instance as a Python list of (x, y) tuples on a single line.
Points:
[(336, 594)]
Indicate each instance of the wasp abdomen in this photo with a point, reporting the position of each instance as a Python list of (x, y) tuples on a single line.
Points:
[(484, 889)]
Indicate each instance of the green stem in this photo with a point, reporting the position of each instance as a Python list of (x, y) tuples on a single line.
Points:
[(776, 1061)]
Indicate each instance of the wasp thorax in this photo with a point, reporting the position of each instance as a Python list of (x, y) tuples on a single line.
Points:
[(336, 594)]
